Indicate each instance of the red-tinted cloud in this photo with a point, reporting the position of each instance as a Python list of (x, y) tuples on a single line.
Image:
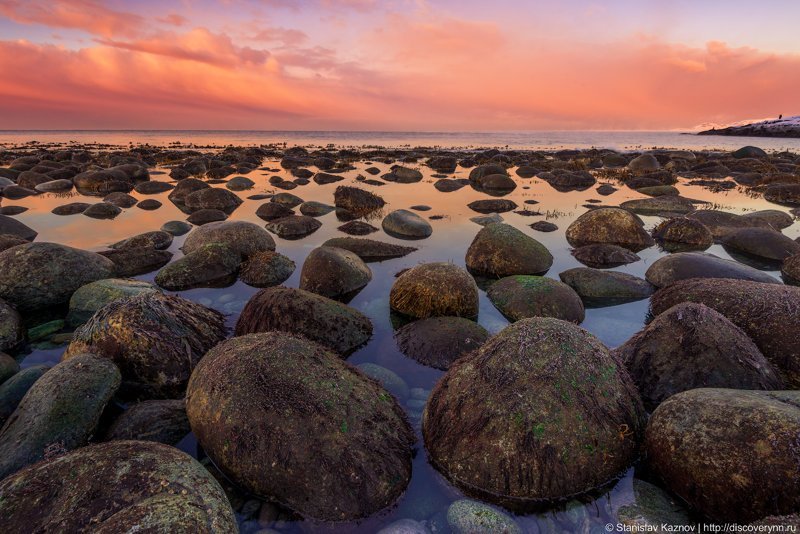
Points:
[(89, 15)]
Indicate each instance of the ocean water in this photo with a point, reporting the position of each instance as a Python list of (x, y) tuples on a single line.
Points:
[(537, 140)]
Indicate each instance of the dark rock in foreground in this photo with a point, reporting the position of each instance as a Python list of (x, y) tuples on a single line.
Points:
[(136, 261), (439, 341), (162, 421), (11, 226), (334, 273)]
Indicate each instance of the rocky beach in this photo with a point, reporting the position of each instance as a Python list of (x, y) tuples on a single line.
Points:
[(416, 340)]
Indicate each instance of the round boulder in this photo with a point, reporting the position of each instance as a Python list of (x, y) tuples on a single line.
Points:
[(439, 341), (605, 288), (309, 401), (521, 296), (242, 237), (682, 234), (790, 270), (611, 226), (540, 412), (435, 289), (763, 243), (93, 296), (404, 224), (334, 273), (266, 269), (501, 250), (163, 421), (294, 226), (212, 198), (211, 265), (604, 256), (12, 331)]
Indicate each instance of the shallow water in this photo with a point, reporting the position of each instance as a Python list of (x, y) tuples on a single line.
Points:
[(428, 493)]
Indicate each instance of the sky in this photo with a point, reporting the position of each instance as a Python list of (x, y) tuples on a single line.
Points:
[(389, 65)]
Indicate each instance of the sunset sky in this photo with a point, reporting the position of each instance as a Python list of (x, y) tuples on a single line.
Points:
[(430, 65)]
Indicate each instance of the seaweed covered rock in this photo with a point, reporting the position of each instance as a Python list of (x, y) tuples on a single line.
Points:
[(603, 288), (404, 224), (155, 340), (211, 265), (369, 250), (62, 409), (359, 202), (766, 312), (540, 412), (439, 341), (500, 250), (692, 346), (731, 454), (320, 319), (266, 269), (334, 273), (294, 226), (435, 289), (681, 234), (13, 389), (212, 198), (684, 265), (93, 296), (242, 237), (12, 331), (157, 239), (350, 441), (611, 226), (786, 194), (521, 296), (269, 211), (41, 275), (163, 421), (466, 516), (116, 487), (661, 205), (790, 270), (184, 188)]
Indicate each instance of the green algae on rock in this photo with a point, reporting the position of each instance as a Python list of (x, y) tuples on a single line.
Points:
[(320, 319), (500, 250), (93, 296), (542, 411), (435, 289), (210, 265), (155, 340), (253, 398), (244, 238), (116, 487), (466, 516)]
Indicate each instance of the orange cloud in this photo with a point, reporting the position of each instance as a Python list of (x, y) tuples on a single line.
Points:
[(89, 15)]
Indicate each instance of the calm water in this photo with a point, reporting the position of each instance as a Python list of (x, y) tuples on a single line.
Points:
[(540, 140), (428, 494)]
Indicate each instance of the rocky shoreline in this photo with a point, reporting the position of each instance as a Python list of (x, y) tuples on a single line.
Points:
[(788, 128), (698, 412)]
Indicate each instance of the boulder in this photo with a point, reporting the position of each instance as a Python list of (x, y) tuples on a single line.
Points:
[(659, 205), (439, 341), (137, 261), (334, 273), (211, 265), (266, 269), (241, 237), (73, 208), (681, 234), (643, 164), (692, 346), (434, 290), (466, 516), (684, 265), (155, 340), (785, 194), (94, 295), (8, 367), (158, 240), (790, 270), (542, 411), (606, 288), (720, 223), (731, 454), (201, 217), (749, 152), (492, 205), (11, 226), (357, 201), (176, 228), (357, 228), (651, 508), (162, 421), (295, 311), (762, 243), (609, 226), (313, 208), (120, 200), (370, 250), (42, 275), (307, 400), (269, 211), (184, 188), (212, 198), (7, 241), (604, 256), (14, 389), (500, 250), (522, 296), (294, 226), (777, 219), (102, 210), (12, 331), (404, 224)]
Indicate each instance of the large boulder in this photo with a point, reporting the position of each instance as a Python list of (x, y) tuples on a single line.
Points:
[(350, 442), (137, 261), (163, 421), (93, 296), (369, 250), (501, 250), (692, 346), (540, 412), (612, 226), (521, 296), (721, 223), (155, 340), (357, 201), (295, 311), (212, 265), (603, 288), (334, 273), (763, 243), (435, 289), (404, 224), (122, 486), (41, 275), (601, 256), (14, 389), (266, 269), (731, 454), (212, 198), (644, 163), (12, 331), (766, 312), (684, 265), (786, 194), (439, 341), (242, 237), (62, 409), (294, 226), (790, 270), (11, 226), (682, 234)]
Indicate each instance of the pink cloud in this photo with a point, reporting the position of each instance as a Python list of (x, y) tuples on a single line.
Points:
[(89, 15)]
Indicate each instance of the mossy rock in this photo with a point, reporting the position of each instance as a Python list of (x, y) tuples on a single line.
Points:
[(350, 441), (334, 273), (652, 507), (521, 297), (466, 516), (211, 265), (163, 421), (155, 340), (357, 201), (369, 250), (766, 312), (8, 367), (606, 288), (12, 331), (686, 265), (610, 226), (212, 198), (500, 250), (434, 290), (137, 261), (541, 412), (439, 341), (731, 454), (242, 237), (42, 275), (320, 319), (790, 270), (682, 234), (692, 346), (158, 240), (266, 269), (60, 411), (93, 296), (120, 486), (15, 387), (294, 226), (601, 256)]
